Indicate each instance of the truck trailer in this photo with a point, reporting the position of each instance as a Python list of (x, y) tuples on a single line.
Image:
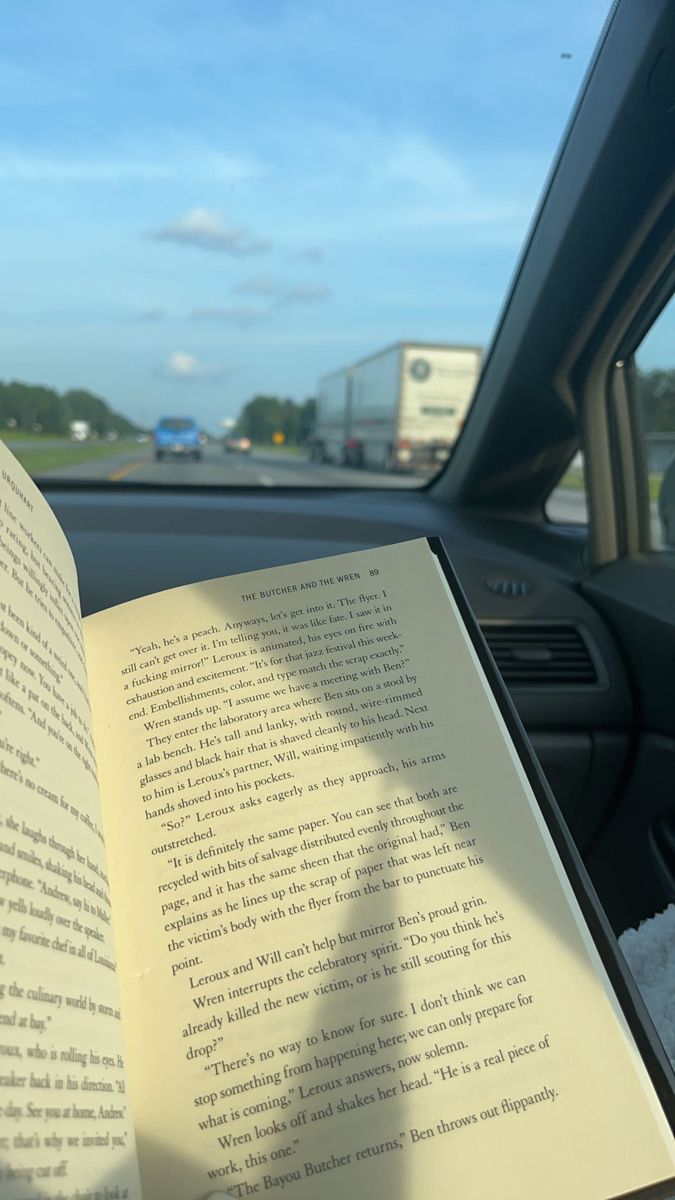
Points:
[(79, 431), (400, 409)]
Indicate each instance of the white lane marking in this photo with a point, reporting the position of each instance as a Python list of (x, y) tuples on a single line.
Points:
[(266, 480)]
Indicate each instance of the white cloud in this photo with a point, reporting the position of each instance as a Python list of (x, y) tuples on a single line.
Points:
[(364, 184), (129, 163), (415, 160), (21, 168), (259, 285), (309, 254), (283, 294), (237, 314), (207, 230), (304, 293), (185, 368)]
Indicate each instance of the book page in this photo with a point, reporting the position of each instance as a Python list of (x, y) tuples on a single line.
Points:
[(350, 961), (65, 1130)]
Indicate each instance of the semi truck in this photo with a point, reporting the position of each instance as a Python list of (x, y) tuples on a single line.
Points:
[(398, 410), (79, 431)]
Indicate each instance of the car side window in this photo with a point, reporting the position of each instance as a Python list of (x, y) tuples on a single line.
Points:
[(655, 379), (566, 504)]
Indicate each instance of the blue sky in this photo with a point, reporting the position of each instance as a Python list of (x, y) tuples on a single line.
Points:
[(204, 201)]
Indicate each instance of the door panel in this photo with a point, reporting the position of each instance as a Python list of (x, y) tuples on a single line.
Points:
[(633, 861)]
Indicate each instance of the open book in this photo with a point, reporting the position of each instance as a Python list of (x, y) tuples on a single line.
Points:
[(286, 907)]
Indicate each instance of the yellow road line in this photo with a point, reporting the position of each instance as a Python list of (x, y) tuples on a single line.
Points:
[(125, 471)]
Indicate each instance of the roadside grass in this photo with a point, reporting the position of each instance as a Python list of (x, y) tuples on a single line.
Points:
[(46, 458), (20, 435), (573, 481)]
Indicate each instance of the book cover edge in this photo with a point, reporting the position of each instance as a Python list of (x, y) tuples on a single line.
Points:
[(628, 995)]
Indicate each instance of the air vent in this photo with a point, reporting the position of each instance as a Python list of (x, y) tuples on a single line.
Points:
[(540, 655), (507, 587)]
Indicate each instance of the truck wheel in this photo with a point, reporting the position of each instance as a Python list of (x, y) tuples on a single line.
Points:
[(353, 457)]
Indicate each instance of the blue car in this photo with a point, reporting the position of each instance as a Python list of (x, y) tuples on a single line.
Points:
[(179, 437)]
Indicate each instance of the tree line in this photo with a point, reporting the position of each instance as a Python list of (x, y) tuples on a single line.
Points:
[(656, 390), (35, 408), (32, 408), (263, 416)]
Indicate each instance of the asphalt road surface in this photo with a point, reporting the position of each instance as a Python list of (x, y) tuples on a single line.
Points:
[(134, 463), (280, 469)]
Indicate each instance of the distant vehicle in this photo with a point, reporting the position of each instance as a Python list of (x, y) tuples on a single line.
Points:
[(177, 437), (237, 445), (79, 431), (401, 409)]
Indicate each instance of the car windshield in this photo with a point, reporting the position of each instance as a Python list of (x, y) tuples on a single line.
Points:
[(294, 222), (175, 425)]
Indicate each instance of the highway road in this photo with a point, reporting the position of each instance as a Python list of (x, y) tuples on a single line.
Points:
[(134, 463)]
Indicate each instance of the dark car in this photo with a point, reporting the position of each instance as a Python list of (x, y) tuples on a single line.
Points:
[(237, 445), (179, 437)]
